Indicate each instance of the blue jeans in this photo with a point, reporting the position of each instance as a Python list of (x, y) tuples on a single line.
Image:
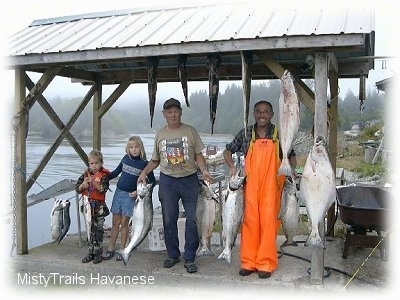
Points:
[(170, 190)]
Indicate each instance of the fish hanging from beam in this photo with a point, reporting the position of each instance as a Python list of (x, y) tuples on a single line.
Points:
[(247, 60), (214, 63), (152, 71), (182, 59)]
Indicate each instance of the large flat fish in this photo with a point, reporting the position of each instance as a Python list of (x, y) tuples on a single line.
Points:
[(152, 73), (214, 64), (205, 218), (317, 189), (56, 219), (142, 220), (289, 120), (247, 60), (66, 219), (289, 212), (232, 215), (182, 59), (87, 213)]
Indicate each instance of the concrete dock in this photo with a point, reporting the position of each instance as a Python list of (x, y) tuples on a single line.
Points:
[(53, 267)]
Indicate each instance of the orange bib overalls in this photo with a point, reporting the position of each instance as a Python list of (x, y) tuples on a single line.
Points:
[(262, 195)]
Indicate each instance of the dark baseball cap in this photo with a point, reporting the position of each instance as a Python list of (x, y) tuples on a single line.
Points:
[(172, 102)]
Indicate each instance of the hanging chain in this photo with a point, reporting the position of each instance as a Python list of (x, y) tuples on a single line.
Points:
[(14, 192)]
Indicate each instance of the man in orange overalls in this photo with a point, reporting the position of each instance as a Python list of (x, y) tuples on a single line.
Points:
[(262, 191)]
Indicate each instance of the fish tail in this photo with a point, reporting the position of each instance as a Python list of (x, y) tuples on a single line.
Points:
[(314, 239), (124, 256), (226, 255), (204, 251)]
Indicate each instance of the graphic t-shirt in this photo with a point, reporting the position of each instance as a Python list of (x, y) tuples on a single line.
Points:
[(176, 149)]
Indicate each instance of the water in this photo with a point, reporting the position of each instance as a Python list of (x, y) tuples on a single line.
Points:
[(66, 164)]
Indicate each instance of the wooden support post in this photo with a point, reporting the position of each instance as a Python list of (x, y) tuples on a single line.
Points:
[(320, 124), (20, 190)]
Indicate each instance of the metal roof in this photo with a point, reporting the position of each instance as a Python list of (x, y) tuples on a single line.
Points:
[(121, 40)]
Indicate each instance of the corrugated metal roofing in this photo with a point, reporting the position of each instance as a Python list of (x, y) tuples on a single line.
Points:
[(179, 25)]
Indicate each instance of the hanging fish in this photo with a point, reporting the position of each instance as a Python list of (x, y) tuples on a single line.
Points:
[(152, 70), (56, 219), (214, 63), (247, 60), (66, 220), (182, 59)]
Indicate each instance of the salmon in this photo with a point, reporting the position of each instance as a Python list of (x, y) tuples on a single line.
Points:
[(182, 59), (142, 220), (232, 215), (247, 60), (87, 213), (205, 218), (66, 224), (289, 212), (317, 189), (56, 219), (214, 64), (289, 120), (152, 71)]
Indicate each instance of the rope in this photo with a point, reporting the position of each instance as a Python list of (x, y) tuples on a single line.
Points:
[(373, 250)]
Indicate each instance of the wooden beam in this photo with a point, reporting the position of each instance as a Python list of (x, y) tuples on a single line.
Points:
[(320, 129), (56, 120), (327, 42), (306, 95), (333, 124), (60, 137), (113, 98), (40, 87), (97, 99), (20, 227)]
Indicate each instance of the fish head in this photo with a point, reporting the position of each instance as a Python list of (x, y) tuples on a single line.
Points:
[(236, 181), (143, 189), (205, 190)]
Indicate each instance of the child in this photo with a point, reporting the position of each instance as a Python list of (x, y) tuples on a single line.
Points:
[(122, 206), (94, 184)]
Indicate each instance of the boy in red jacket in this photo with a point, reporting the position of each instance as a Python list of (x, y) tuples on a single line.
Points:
[(93, 185)]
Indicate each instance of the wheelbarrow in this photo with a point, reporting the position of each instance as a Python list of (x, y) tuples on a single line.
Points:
[(365, 210)]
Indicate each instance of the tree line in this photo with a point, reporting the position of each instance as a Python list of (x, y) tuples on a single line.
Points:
[(135, 117)]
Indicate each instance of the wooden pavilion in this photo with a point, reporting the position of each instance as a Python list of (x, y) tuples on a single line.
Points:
[(114, 47)]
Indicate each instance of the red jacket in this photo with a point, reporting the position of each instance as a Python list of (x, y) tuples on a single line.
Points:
[(99, 184)]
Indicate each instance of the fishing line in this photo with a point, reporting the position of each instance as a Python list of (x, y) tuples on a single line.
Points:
[(373, 250)]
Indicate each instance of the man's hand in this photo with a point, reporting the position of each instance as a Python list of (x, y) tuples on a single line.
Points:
[(207, 176)]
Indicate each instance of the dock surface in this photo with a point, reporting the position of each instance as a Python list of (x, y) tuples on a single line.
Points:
[(60, 264)]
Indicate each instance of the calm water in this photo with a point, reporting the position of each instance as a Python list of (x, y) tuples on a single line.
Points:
[(66, 164)]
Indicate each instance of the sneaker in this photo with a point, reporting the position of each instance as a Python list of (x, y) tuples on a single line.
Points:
[(190, 267), (88, 258), (245, 272), (170, 262), (264, 274), (97, 259)]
